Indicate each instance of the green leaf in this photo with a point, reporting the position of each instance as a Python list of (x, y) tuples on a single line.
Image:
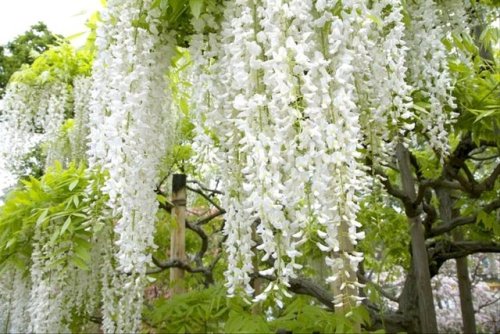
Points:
[(11, 242), (79, 263), (83, 253), (245, 323), (54, 236), (76, 200), (196, 7), (376, 20), (73, 185), (162, 199), (65, 225), (41, 219)]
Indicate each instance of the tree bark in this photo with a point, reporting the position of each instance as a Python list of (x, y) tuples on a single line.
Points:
[(447, 212), (178, 234), (408, 303), (420, 261), (465, 289)]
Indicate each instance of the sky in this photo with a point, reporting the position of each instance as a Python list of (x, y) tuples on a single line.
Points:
[(65, 17)]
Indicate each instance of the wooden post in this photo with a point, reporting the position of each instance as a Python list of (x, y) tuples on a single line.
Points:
[(177, 236)]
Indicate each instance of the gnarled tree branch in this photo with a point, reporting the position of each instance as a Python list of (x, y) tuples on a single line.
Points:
[(459, 221)]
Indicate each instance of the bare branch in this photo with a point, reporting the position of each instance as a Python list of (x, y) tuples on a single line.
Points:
[(453, 250), (205, 188), (480, 307), (363, 279), (469, 175), (204, 242), (207, 219), (489, 182), (304, 286), (459, 221), (384, 179), (207, 197), (175, 264)]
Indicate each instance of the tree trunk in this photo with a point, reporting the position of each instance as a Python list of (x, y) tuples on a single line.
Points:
[(178, 234), (420, 260), (465, 288), (408, 303), (464, 285)]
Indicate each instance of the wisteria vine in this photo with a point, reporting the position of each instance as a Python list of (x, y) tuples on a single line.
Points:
[(293, 96)]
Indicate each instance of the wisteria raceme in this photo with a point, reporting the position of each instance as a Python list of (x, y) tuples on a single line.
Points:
[(431, 77), (6, 281), (31, 115), (455, 13), (18, 110), (69, 143), (15, 288), (343, 139), (46, 304), (19, 315), (130, 117), (203, 47), (384, 95), (236, 31), (289, 133), (81, 102)]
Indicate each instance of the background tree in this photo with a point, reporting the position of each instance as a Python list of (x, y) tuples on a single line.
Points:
[(24, 49)]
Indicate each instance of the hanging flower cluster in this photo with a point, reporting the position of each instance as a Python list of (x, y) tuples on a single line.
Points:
[(428, 67), (384, 95), (294, 91), (14, 299), (47, 307), (455, 15), (31, 115), (294, 94), (20, 293), (81, 101), (283, 102), (129, 131)]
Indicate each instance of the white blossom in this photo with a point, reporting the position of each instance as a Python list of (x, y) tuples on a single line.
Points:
[(30, 115), (129, 135), (429, 73), (283, 103)]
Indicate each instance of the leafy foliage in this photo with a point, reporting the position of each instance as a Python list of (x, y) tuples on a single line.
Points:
[(58, 64), (478, 87), (24, 49), (198, 311), (59, 200), (209, 311)]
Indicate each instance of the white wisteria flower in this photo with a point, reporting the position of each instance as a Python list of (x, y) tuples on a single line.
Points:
[(130, 123)]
